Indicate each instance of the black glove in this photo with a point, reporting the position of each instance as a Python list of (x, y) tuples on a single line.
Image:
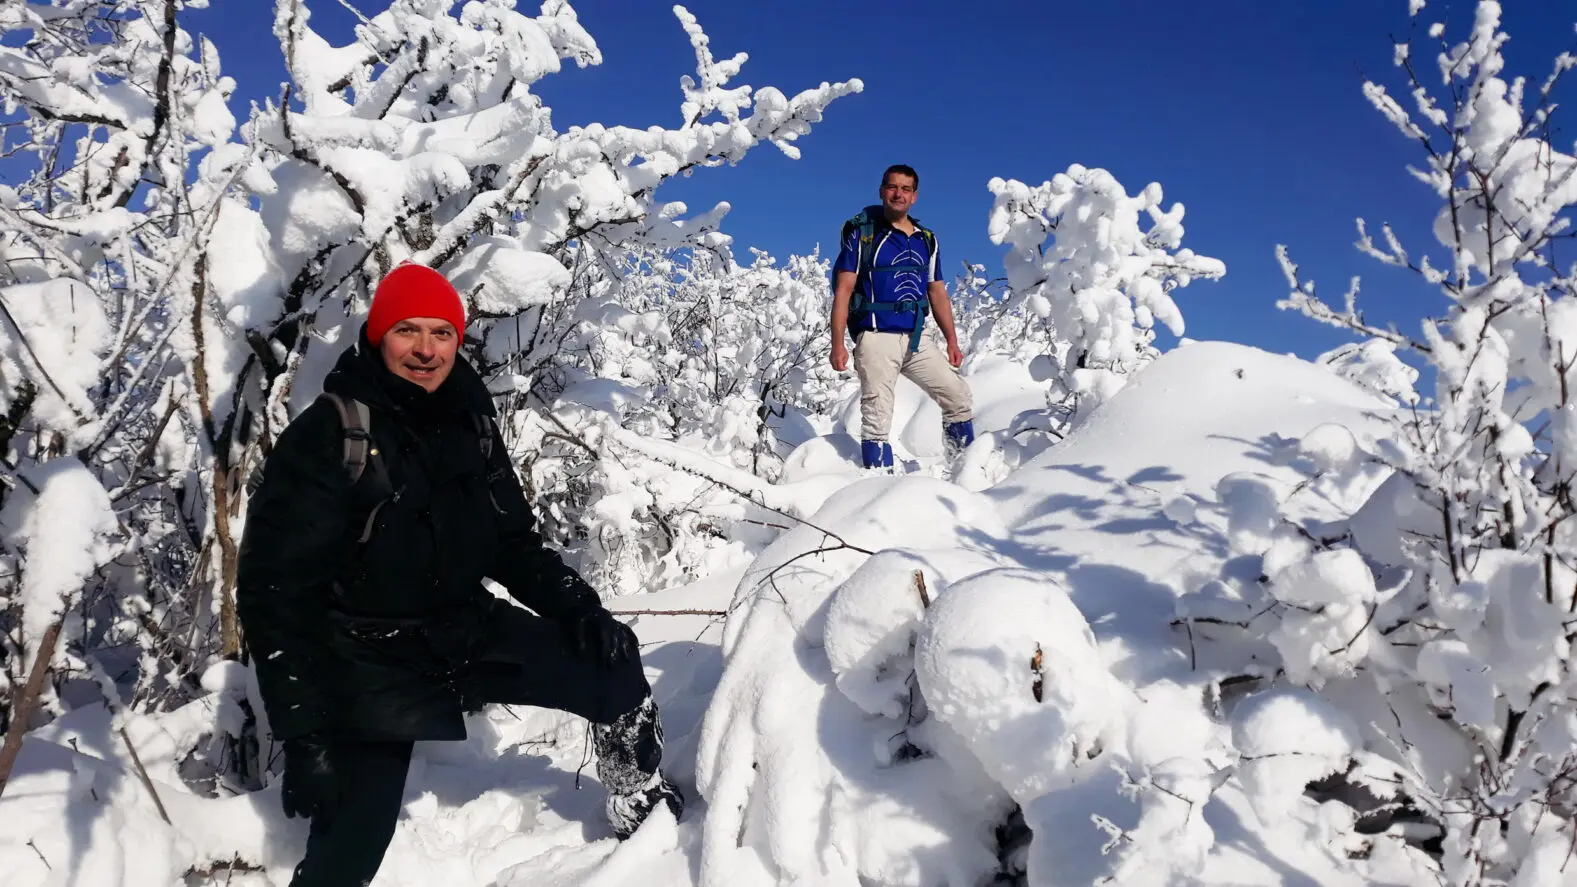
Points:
[(311, 787), (596, 634)]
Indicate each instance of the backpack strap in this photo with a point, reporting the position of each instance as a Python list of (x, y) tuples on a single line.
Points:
[(484, 435), (867, 245), (861, 302), (486, 430), (355, 420), (864, 226), (924, 307)]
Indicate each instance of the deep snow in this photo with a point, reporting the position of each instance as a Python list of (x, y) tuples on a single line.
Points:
[(782, 715)]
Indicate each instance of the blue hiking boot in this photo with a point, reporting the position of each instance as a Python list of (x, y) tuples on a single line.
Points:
[(876, 454), (958, 436)]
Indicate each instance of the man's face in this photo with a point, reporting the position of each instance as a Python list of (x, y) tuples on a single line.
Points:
[(421, 350), (898, 192)]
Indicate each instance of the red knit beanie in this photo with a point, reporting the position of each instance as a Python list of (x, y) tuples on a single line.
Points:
[(413, 290)]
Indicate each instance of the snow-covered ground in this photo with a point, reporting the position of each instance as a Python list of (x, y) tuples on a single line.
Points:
[(841, 726)]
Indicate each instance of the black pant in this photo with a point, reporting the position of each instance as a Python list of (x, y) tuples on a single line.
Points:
[(531, 665), (347, 849)]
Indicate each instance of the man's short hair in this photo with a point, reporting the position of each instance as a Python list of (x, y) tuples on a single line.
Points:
[(902, 169)]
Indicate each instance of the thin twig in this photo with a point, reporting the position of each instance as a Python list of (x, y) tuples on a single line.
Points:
[(142, 773), (668, 612)]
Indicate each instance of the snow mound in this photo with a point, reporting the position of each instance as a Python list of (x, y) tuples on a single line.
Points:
[(1288, 737), (1009, 663), (1040, 714), (871, 622)]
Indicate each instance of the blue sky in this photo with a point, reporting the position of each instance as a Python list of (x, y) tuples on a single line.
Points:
[(1249, 113)]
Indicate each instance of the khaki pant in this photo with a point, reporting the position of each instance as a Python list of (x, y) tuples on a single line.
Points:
[(879, 358)]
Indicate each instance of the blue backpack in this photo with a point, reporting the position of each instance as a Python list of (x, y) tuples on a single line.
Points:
[(862, 304)]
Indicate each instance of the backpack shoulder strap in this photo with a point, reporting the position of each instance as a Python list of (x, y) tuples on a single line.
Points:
[(354, 419), (866, 223), (487, 430), (929, 237), (484, 435)]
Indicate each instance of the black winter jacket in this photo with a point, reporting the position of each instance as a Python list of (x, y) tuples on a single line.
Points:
[(363, 640)]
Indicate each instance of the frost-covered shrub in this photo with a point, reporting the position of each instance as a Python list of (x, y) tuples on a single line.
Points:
[(1089, 279), (1431, 612), (727, 362)]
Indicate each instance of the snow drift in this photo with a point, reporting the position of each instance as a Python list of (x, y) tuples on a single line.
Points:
[(919, 672)]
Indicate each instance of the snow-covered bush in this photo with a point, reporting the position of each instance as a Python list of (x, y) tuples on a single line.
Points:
[(724, 361), (1433, 608), (734, 350), (1088, 279), (817, 758), (925, 685), (1374, 365)]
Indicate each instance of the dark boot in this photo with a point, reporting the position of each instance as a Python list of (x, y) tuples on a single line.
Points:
[(876, 454), (958, 436), (629, 751)]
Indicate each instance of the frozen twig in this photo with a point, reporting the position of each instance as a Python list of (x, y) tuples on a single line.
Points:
[(142, 773), (22, 713), (669, 612)]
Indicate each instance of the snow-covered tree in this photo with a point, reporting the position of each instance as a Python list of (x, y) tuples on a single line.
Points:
[(122, 115), (177, 285), (1082, 263), (1434, 607)]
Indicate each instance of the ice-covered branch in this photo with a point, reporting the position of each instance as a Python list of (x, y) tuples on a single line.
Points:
[(710, 95), (1303, 299)]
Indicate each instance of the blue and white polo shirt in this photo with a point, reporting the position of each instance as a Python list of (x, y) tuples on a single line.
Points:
[(904, 265)]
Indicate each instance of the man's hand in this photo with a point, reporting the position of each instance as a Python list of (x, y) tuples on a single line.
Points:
[(311, 786), (840, 356), (954, 355), (598, 635)]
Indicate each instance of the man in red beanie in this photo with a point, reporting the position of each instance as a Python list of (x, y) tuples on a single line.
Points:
[(381, 510)]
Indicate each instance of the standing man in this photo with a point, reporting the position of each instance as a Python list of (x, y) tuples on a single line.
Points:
[(885, 281), (381, 509)]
